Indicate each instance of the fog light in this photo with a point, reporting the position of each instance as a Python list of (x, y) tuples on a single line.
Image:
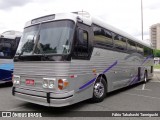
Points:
[(16, 79)]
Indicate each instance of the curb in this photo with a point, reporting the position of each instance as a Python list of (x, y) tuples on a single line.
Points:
[(156, 70)]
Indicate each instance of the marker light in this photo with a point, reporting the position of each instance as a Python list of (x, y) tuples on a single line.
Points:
[(62, 83)]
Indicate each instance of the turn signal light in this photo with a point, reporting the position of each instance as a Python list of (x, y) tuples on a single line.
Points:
[(62, 83)]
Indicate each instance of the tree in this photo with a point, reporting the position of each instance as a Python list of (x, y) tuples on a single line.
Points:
[(156, 53)]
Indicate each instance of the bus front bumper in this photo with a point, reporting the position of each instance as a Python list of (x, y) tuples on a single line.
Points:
[(44, 98)]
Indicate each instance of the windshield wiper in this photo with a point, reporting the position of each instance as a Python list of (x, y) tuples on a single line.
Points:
[(38, 46), (19, 55)]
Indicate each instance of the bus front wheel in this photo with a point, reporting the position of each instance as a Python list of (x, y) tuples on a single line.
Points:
[(99, 90)]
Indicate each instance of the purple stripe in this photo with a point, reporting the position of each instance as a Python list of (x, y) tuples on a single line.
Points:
[(87, 84), (135, 79), (147, 59), (115, 63), (94, 79)]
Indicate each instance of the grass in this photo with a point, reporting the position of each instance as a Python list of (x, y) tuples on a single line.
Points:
[(157, 66)]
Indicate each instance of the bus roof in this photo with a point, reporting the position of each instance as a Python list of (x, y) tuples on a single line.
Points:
[(103, 24), (87, 19), (11, 34), (58, 16)]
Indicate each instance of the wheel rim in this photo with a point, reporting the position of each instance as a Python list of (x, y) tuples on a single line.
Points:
[(98, 90)]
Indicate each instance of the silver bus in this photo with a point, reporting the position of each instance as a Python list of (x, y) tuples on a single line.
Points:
[(9, 41), (66, 58)]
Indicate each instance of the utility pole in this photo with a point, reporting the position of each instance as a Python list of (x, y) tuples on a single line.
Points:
[(142, 17)]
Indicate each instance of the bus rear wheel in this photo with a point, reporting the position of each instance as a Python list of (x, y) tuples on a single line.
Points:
[(99, 90)]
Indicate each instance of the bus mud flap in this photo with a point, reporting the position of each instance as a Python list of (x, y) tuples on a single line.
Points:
[(13, 91), (139, 73), (48, 97)]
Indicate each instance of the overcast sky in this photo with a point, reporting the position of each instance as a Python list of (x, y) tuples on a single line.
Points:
[(123, 14)]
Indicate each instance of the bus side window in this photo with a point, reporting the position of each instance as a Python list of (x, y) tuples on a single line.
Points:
[(81, 45), (120, 42), (131, 46), (140, 49), (148, 51), (102, 37)]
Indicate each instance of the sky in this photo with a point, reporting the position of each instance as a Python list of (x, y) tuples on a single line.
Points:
[(122, 14)]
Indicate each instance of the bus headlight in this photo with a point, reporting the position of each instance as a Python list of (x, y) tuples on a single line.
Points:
[(49, 83), (62, 83), (16, 79), (45, 84)]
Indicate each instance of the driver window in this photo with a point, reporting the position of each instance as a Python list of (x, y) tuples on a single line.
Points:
[(85, 40), (81, 46)]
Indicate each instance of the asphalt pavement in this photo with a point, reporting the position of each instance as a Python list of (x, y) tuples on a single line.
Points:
[(140, 97)]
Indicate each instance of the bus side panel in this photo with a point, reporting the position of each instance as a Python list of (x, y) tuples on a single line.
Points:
[(106, 62), (6, 69)]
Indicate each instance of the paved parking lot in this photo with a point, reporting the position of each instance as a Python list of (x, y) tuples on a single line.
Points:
[(141, 97)]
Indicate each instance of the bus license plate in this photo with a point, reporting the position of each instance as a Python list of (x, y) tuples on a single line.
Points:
[(29, 82)]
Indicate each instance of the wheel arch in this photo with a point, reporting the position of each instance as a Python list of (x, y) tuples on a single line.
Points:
[(105, 78)]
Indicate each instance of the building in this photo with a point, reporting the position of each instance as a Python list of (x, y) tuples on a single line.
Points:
[(155, 35)]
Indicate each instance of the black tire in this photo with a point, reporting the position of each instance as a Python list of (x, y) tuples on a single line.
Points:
[(9, 84), (99, 90)]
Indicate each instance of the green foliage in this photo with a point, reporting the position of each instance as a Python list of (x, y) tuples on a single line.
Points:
[(157, 66), (156, 53)]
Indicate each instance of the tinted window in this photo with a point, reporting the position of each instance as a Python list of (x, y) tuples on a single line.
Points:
[(102, 37), (148, 51), (81, 49), (145, 51), (131, 46), (119, 42), (8, 47), (140, 49)]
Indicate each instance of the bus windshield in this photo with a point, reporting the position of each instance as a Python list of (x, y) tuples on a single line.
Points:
[(47, 38), (8, 48)]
